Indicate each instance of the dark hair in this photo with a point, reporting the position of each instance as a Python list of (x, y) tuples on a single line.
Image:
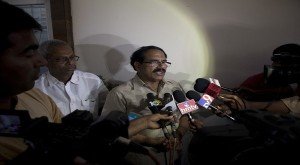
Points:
[(14, 19), (287, 53), (139, 55)]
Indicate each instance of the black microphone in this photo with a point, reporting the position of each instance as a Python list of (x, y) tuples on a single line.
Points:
[(201, 85), (173, 126), (194, 95), (155, 105), (167, 98)]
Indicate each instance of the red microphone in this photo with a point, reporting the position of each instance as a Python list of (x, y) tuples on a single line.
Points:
[(209, 95)]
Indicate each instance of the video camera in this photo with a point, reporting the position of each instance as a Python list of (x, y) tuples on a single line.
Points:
[(281, 75), (77, 135)]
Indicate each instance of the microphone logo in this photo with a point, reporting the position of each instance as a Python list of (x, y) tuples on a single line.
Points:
[(187, 106), (156, 102), (213, 90), (205, 100)]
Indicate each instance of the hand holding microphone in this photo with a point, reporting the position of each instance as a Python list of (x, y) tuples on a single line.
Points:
[(233, 101), (205, 101), (154, 120)]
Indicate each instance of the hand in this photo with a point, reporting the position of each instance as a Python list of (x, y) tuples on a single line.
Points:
[(195, 125), (152, 120), (147, 122), (233, 101)]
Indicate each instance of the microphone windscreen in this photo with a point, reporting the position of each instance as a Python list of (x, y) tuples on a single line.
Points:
[(201, 84), (179, 96), (202, 80), (193, 95), (150, 96), (167, 98)]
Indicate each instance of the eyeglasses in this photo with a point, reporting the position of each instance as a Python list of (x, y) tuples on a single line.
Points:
[(65, 59), (155, 63)]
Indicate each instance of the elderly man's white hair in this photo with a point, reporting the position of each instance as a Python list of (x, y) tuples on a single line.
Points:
[(47, 47)]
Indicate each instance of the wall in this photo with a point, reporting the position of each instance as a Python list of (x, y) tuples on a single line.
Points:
[(228, 40)]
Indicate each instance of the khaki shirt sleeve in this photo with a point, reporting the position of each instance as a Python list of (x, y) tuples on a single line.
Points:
[(115, 101)]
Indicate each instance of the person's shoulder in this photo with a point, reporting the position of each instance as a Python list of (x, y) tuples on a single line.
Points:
[(41, 78), (122, 87), (172, 82), (254, 79), (35, 92)]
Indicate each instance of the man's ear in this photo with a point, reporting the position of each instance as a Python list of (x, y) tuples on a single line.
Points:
[(137, 66)]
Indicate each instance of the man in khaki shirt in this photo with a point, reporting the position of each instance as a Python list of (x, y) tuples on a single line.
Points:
[(151, 64)]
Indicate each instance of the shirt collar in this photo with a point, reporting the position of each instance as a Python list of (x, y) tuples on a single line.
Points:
[(75, 78), (136, 80), (52, 80)]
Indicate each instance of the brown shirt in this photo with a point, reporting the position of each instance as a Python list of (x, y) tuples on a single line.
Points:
[(131, 97), (38, 104)]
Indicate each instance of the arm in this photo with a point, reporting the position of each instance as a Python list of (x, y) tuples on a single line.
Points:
[(184, 126), (235, 102), (146, 122)]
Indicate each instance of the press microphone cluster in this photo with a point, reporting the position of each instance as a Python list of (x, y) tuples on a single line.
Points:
[(194, 95), (210, 92)]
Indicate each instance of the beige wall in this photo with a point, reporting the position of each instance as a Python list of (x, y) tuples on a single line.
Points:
[(228, 40)]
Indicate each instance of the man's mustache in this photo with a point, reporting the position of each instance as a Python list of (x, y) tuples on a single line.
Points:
[(160, 70)]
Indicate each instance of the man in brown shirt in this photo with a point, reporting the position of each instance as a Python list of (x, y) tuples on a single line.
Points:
[(151, 64)]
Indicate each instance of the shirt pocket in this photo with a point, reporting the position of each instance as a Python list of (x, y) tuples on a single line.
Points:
[(88, 104)]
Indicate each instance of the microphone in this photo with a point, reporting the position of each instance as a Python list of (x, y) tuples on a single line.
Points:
[(155, 105), (194, 95), (167, 98), (202, 84), (209, 95), (173, 126), (185, 106)]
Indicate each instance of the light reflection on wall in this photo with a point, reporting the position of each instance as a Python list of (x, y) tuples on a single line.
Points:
[(197, 60), (123, 26)]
